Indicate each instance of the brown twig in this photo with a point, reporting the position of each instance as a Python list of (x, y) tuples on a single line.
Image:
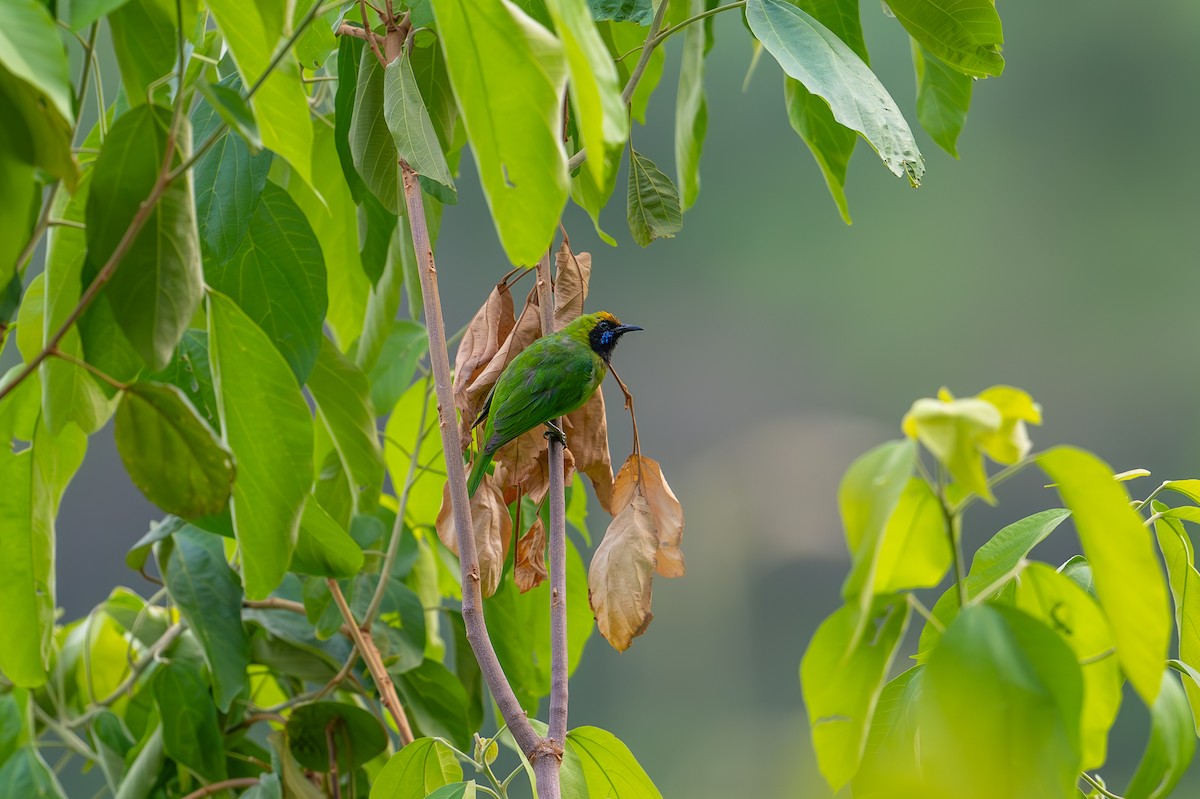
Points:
[(362, 4), (546, 766), (217, 787), (472, 599), (637, 445), (371, 656), (346, 29), (331, 745)]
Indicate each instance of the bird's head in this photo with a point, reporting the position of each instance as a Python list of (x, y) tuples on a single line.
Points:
[(602, 331)]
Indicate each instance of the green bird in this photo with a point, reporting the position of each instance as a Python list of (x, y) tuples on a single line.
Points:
[(553, 376)]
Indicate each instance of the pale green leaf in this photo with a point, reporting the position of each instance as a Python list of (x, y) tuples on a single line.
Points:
[(323, 548), (592, 197), (265, 422), (508, 75), (954, 430), (418, 769), (622, 38), (31, 51), (1129, 582), (813, 55), (1180, 557), (966, 34), (609, 768), (652, 202), (1171, 746), (410, 125), (402, 433), (842, 676)]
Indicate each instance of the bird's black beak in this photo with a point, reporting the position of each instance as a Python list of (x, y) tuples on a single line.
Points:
[(620, 330)]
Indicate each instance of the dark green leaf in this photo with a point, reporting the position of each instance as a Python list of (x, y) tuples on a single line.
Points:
[(842, 676), (652, 202), (343, 405), (1129, 582), (209, 596), (429, 69), (943, 98), (26, 775), (144, 39), (266, 422), (371, 143), (417, 770), (356, 734), (966, 34), (189, 372), (466, 669), (277, 276), (13, 707), (191, 731), (400, 629), (411, 127), (156, 289), (323, 548), (436, 703), (229, 181), (999, 690), (350, 50), (291, 631), (813, 55), (227, 100), (171, 454), (609, 768), (146, 769), (379, 226), (1171, 747), (639, 11), (136, 557)]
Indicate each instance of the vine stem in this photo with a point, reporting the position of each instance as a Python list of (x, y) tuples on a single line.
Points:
[(472, 596), (217, 787), (374, 662), (546, 768)]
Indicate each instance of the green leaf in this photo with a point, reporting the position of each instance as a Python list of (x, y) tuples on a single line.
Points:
[(191, 730), (425, 495), (609, 768), (69, 393), (635, 11), (229, 181), (171, 454), (622, 38), (1170, 748), (343, 405), (146, 769), (156, 288), (815, 56), (436, 703), (652, 202), (1060, 604), (371, 144), (417, 770), (323, 548), (209, 596), (189, 372), (290, 645), (691, 109), (281, 104), (915, 549), (599, 114), (396, 365), (954, 430), (85, 12), (943, 98), (226, 99), (1180, 558), (429, 68), (500, 59), (1129, 582), (277, 276), (350, 50), (994, 565), (329, 207), (20, 199), (842, 675), (34, 480), (410, 125), (966, 34), (889, 765), (26, 775), (592, 197), (357, 735), (13, 708), (32, 53), (266, 422), (1000, 690), (400, 629), (144, 40), (867, 498), (317, 41), (459, 790)]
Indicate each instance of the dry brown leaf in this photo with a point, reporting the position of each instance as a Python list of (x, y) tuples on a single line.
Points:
[(571, 275), (537, 483), (524, 332), (663, 504), (587, 440), (482, 339), (492, 529), (520, 456), (530, 569), (621, 576)]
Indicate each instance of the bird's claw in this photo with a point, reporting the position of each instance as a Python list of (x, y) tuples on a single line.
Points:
[(555, 433)]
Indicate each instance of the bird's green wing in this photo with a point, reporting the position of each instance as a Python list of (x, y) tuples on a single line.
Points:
[(548, 379)]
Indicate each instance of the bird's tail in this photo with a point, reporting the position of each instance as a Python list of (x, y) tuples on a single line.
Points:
[(477, 473)]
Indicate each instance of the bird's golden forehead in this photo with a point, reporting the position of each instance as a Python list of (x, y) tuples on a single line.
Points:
[(607, 316)]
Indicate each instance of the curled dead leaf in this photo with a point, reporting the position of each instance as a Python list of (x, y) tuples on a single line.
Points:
[(621, 575), (486, 332), (664, 506), (537, 483), (492, 530), (530, 568), (520, 456), (587, 440), (571, 276)]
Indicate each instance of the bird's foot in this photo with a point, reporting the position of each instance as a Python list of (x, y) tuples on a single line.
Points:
[(555, 433)]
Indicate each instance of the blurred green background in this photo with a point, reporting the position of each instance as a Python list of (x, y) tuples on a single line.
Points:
[(1060, 255)]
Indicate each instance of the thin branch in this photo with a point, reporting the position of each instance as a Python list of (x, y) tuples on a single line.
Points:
[(389, 560), (362, 4), (655, 41), (365, 34), (87, 367), (217, 787), (1099, 786), (371, 656), (472, 598), (546, 768), (995, 480)]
